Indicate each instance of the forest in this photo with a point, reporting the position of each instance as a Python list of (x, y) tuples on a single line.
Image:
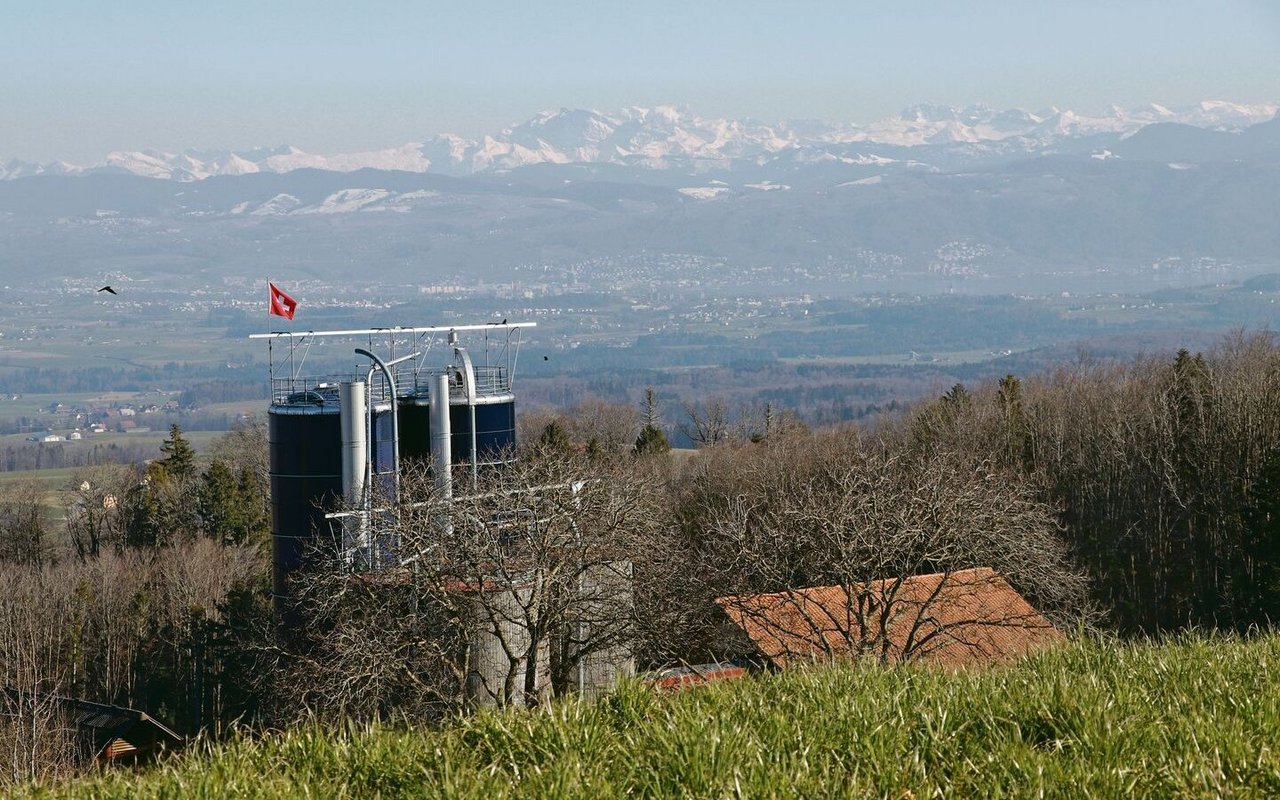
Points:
[(1136, 498)]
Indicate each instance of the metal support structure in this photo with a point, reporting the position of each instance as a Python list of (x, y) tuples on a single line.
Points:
[(418, 338)]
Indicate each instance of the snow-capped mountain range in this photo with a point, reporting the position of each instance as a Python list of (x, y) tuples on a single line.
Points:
[(665, 136)]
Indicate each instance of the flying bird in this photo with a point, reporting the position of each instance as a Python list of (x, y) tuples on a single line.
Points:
[(108, 289), (546, 358)]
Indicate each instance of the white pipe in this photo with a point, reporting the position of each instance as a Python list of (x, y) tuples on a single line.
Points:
[(441, 435), (354, 435), (352, 420), (469, 391)]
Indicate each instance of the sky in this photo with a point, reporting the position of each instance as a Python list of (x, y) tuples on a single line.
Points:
[(80, 79)]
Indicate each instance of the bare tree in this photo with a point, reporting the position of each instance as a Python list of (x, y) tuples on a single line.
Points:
[(603, 428), (707, 423), (22, 526), (503, 592), (831, 510), (93, 503), (245, 447), (36, 741)]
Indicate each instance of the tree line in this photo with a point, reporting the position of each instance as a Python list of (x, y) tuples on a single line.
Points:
[(1164, 472), (149, 594)]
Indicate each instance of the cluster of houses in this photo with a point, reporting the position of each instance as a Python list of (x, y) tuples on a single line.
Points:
[(89, 420)]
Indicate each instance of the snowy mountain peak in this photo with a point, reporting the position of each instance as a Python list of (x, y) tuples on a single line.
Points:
[(662, 136)]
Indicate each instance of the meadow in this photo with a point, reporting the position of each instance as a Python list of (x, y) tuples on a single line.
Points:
[(1195, 716)]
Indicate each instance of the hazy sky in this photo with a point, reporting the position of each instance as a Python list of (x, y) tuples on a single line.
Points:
[(78, 79)]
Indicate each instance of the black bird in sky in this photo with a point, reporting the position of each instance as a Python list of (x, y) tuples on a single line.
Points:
[(546, 358), (108, 289)]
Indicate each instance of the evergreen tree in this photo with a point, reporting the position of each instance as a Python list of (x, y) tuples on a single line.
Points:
[(555, 438), (231, 509), (651, 440), (937, 420), (164, 505), (146, 518), (957, 399), (1018, 447), (650, 407), (220, 504), (180, 457), (255, 506)]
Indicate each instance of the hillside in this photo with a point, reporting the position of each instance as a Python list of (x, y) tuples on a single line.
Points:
[(1192, 718)]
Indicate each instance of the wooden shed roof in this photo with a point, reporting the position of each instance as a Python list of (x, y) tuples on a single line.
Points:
[(110, 732)]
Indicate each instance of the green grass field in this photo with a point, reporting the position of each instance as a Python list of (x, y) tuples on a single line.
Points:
[(1194, 718)]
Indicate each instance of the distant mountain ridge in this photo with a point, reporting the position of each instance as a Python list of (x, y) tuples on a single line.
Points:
[(663, 137)]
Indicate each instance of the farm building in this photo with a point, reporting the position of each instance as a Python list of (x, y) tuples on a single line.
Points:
[(104, 733)]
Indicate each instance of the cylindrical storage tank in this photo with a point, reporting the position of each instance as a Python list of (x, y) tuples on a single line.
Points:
[(495, 428), (415, 428), (304, 440), (382, 453), (378, 548), (602, 627), (460, 430), (499, 649)]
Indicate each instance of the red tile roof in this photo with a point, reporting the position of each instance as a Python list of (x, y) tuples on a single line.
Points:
[(951, 618)]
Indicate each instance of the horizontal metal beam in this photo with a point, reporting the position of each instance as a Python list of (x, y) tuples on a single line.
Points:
[(494, 326)]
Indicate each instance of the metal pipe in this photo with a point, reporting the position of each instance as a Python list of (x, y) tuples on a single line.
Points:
[(352, 416), (352, 411), (385, 366), (441, 435), (468, 372)]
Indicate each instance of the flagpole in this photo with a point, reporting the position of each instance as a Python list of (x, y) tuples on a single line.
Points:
[(271, 367), (281, 304)]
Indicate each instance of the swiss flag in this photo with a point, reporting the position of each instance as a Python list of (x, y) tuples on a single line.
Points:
[(282, 305)]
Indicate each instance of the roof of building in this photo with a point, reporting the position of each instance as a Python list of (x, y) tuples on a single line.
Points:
[(112, 732), (673, 678), (949, 618), (118, 732)]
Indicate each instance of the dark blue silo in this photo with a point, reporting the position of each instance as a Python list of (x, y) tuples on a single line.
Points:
[(382, 452), (305, 449), (495, 427), (495, 424), (415, 428)]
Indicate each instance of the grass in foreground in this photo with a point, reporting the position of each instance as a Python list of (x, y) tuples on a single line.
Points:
[(1193, 718)]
